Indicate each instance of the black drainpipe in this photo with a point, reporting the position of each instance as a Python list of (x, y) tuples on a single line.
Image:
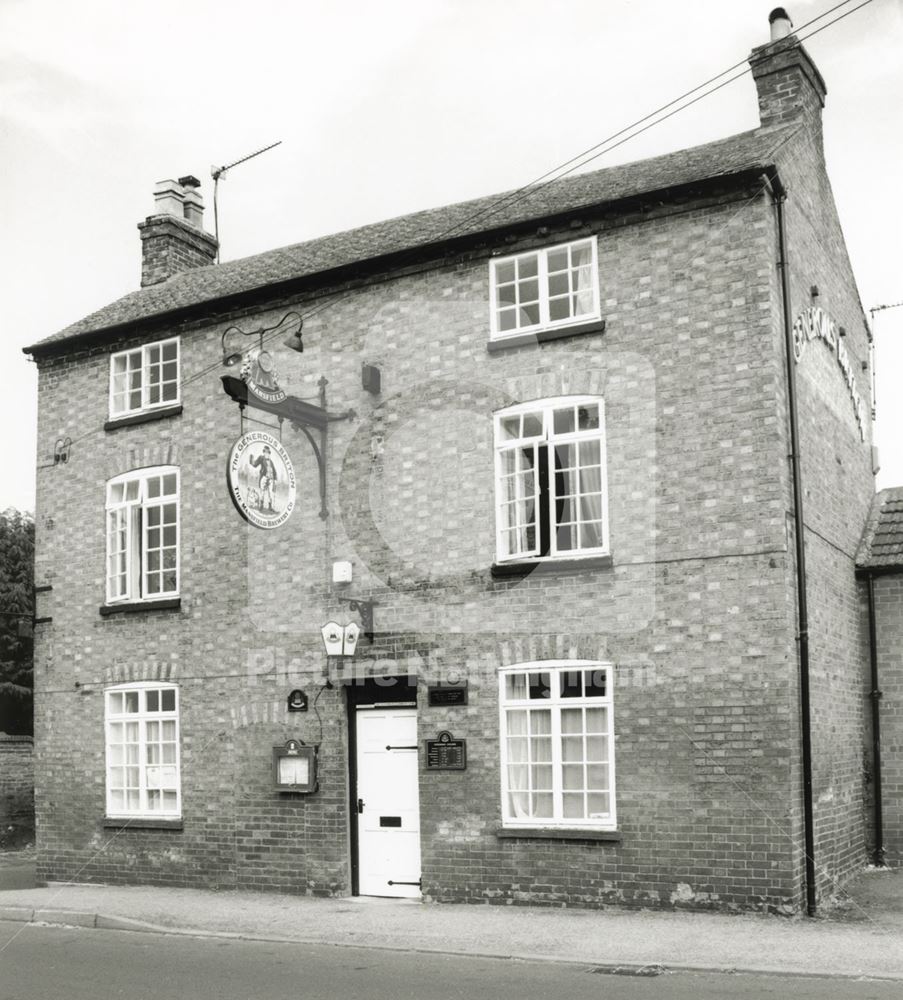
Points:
[(779, 195), (875, 696)]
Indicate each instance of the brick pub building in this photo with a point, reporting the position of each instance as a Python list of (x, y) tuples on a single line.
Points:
[(537, 448)]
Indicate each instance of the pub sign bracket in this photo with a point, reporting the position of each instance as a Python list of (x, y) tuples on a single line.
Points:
[(312, 420)]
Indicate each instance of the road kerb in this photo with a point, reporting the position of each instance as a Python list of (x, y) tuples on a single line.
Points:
[(116, 923), (73, 918)]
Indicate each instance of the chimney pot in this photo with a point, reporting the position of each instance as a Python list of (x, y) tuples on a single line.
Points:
[(169, 198), (780, 22), (173, 239), (194, 207), (789, 86)]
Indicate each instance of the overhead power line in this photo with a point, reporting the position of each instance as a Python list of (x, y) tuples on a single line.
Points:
[(592, 153)]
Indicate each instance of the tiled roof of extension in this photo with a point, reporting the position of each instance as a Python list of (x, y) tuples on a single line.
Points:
[(738, 154), (882, 543)]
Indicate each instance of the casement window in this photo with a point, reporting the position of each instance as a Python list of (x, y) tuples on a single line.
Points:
[(557, 745), (543, 289), (551, 496), (142, 740), (143, 535), (145, 378)]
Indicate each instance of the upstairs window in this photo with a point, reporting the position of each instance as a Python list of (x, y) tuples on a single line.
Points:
[(545, 289), (551, 497), (142, 740), (143, 535), (145, 378), (557, 745)]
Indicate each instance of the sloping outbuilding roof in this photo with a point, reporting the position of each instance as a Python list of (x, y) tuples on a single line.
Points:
[(882, 543), (744, 153)]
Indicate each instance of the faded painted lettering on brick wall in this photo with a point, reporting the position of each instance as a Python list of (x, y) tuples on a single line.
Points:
[(815, 324)]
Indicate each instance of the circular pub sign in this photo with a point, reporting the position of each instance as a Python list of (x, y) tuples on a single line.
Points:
[(261, 479)]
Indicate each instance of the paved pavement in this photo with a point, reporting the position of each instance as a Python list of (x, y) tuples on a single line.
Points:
[(855, 940)]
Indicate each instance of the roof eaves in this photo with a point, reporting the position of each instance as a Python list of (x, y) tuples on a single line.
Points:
[(366, 266), (883, 531), (761, 161)]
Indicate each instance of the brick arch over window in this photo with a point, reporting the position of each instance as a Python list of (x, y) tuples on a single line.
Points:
[(142, 455), (140, 670), (535, 387)]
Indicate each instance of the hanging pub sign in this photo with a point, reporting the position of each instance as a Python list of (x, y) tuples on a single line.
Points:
[(261, 479), (815, 324)]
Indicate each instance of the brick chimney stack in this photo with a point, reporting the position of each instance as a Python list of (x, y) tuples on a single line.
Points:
[(173, 239), (790, 87)]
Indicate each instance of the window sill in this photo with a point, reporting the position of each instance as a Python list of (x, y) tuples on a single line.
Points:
[(142, 823), (543, 566), (131, 607), (144, 417), (541, 336), (556, 833)]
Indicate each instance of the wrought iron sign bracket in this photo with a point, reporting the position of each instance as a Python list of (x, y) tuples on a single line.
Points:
[(365, 610), (306, 417)]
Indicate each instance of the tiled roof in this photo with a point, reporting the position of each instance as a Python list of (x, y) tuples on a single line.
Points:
[(747, 151), (882, 543)]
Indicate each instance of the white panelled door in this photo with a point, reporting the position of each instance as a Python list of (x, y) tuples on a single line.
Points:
[(388, 821)]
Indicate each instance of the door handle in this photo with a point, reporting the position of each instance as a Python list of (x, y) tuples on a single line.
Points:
[(360, 805), (414, 747)]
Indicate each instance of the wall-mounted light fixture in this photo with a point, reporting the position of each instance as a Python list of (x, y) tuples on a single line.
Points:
[(235, 341), (294, 341), (340, 640), (61, 450)]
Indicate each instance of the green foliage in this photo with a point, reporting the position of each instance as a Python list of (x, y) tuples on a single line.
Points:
[(16, 641)]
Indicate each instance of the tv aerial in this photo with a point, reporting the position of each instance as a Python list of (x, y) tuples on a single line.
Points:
[(217, 172)]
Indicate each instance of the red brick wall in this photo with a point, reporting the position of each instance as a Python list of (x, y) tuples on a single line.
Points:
[(838, 487), (889, 627), (696, 611)]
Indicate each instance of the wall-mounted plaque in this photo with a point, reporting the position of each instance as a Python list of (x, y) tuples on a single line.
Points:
[(297, 701), (261, 479), (446, 753), (448, 694)]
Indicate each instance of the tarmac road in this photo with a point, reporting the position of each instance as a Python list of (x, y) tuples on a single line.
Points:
[(60, 963)]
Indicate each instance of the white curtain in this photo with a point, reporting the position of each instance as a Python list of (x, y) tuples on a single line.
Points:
[(518, 763), (582, 280), (591, 507)]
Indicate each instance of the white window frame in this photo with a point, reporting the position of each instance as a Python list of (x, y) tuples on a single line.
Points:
[(145, 768), (556, 703), (144, 367), (547, 439), (545, 323), (132, 516)]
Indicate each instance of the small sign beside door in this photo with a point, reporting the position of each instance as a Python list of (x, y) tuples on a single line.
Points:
[(447, 694), (446, 753)]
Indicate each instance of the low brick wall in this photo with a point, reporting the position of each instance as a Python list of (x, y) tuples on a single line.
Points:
[(16, 789)]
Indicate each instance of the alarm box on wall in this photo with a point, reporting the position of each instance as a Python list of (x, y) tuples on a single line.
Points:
[(295, 768)]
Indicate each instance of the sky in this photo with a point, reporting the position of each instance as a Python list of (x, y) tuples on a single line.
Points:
[(384, 109)]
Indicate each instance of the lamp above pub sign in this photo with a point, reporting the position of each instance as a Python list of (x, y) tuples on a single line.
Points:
[(261, 479)]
